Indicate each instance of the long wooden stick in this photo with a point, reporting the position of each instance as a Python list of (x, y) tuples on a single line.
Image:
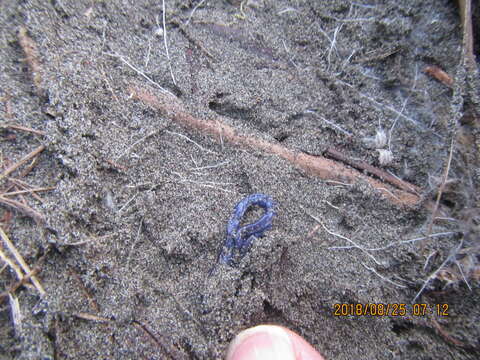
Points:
[(314, 165)]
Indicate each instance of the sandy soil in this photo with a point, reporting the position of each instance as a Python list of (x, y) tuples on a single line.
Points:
[(141, 203)]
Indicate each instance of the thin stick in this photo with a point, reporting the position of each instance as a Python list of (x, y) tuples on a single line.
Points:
[(429, 257), (128, 202), (22, 161), (440, 191), (91, 317), (23, 128), (206, 185), (333, 43), (19, 283), (463, 275), (170, 350), (337, 155), (91, 300), (166, 43), (21, 261), (12, 264), (22, 184), (466, 16), (25, 209), (28, 191), (315, 165), (445, 334), (390, 132)]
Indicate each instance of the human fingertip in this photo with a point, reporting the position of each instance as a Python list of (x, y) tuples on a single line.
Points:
[(263, 342)]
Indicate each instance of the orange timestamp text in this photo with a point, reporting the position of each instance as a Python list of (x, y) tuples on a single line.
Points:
[(390, 309)]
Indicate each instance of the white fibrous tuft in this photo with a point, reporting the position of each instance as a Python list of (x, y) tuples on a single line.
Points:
[(385, 157), (380, 139)]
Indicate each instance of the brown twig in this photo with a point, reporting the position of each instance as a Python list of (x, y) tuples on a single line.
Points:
[(361, 165), (26, 158), (23, 128), (28, 191), (24, 209), (314, 165), (17, 183), (449, 338)]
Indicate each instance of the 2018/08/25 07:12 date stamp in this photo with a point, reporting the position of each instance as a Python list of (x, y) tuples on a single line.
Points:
[(393, 309)]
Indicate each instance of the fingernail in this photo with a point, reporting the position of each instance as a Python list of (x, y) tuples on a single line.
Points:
[(265, 342)]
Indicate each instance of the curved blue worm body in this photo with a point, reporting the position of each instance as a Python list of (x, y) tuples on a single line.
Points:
[(241, 238)]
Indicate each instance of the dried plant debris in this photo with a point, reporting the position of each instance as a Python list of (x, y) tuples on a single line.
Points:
[(134, 226), (14, 187), (439, 74), (32, 59)]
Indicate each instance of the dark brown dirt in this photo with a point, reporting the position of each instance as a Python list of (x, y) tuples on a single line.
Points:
[(141, 203)]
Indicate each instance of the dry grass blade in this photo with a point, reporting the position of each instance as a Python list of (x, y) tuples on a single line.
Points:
[(12, 264), (16, 314), (19, 283), (91, 317), (21, 261)]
